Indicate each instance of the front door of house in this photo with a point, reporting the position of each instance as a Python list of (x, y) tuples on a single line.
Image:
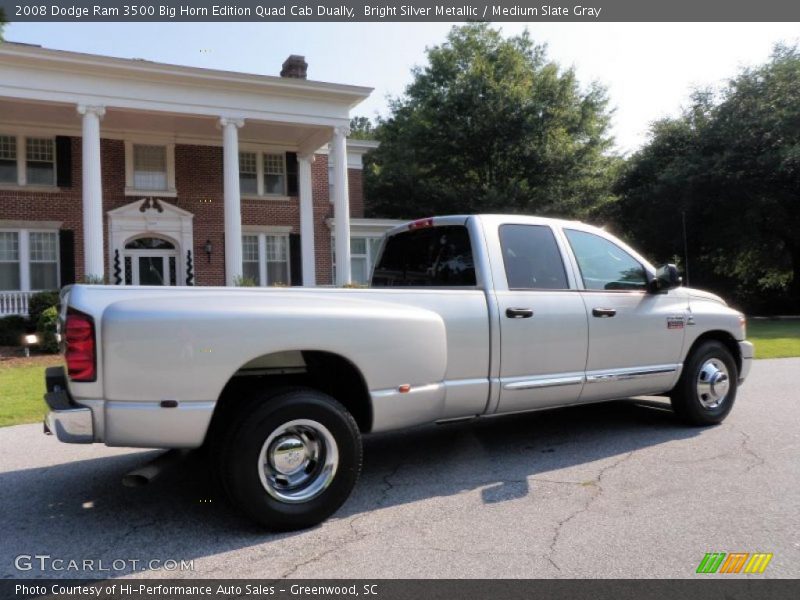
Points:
[(151, 261)]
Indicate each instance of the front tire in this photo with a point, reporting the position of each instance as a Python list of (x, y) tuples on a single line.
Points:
[(291, 458), (707, 388)]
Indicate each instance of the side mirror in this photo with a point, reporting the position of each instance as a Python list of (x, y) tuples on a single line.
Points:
[(666, 278)]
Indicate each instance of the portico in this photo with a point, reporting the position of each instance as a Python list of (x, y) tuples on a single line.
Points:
[(267, 129)]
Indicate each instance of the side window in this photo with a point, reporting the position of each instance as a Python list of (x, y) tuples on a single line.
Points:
[(604, 265), (532, 258), (428, 257)]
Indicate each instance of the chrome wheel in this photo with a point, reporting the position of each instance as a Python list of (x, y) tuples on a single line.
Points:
[(298, 461), (713, 383)]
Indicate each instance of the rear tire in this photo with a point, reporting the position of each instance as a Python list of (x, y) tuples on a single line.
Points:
[(707, 388), (290, 458)]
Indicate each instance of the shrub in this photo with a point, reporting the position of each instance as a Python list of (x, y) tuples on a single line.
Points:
[(12, 328), (46, 329), (242, 281), (40, 302)]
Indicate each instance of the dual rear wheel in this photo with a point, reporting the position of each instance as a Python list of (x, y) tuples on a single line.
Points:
[(290, 458)]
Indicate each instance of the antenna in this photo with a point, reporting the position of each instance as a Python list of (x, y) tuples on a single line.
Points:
[(685, 247)]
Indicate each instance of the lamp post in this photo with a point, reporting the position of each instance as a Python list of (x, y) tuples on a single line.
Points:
[(30, 339)]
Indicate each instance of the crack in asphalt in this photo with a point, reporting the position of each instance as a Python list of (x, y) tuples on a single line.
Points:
[(356, 535), (747, 448), (597, 486)]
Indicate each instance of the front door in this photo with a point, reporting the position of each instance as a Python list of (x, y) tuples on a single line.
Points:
[(635, 337), (151, 261), (543, 329)]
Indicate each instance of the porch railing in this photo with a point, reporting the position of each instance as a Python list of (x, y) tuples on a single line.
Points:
[(14, 303)]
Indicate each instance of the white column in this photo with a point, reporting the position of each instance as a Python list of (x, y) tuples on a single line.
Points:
[(341, 204), (306, 219), (233, 200), (93, 261)]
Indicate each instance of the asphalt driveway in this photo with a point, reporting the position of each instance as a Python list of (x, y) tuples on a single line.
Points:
[(616, 490)]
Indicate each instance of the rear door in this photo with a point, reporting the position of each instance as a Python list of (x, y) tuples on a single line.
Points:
[(543, 325), (635, 337)]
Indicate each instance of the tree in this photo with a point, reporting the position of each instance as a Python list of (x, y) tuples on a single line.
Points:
[(2, 23), (490, 124), (731, 163), (361, 128)]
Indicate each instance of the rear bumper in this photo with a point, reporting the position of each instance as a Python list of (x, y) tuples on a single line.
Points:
[(747, 352), (70, 422)]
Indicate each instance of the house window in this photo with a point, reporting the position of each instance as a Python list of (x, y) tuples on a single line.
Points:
[(8, 159), (263, 174), (40, 163), (275, 174), (363, 252), (43, 257), (248, 173), (250, 261), (27, 160), (29, 260), (149, 167), (9, 260), (265, 258)]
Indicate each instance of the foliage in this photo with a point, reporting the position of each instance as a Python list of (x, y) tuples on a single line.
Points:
[(46, 329), (490, 124), (361, 128), (2, 23), (731, 165), (242, 281), (39, 302), (93, 280), (12, 328)]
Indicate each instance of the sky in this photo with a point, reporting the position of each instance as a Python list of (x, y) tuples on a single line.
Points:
[(649, 69)]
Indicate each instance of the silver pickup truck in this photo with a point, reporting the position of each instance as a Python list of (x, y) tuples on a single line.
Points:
[(465, 316)]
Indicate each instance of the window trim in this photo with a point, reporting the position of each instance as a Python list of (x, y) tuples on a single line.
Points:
[(261, 234), (21, 138), (130, 190), (24, 251), (368, 255), (260, 151)]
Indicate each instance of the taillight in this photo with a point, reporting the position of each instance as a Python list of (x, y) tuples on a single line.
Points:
[(420, 223), (80, 346)]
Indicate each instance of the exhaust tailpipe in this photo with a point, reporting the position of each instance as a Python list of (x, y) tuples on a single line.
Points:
[(152, 469)]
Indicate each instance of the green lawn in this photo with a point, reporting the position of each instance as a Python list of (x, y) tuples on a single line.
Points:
[(22, 390), (775, 339)]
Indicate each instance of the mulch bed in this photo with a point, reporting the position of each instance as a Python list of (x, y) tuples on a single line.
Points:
[(14, 356)]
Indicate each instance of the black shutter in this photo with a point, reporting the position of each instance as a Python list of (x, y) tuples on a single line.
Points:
[(63, 161), (66, 250), (291, 173), (295, 259)]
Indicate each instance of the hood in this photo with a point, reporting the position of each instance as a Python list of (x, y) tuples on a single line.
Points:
[(704, 295)]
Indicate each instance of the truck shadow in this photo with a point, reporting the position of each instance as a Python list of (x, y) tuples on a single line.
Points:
[(80, 509)]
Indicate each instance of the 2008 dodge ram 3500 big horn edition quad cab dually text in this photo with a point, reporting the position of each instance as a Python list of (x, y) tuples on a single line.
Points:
[(466, 316)]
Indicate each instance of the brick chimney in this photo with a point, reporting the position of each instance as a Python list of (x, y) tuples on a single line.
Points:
[(294, 66)]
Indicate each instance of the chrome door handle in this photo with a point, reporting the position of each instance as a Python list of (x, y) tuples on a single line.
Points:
[(604, 312), (519, 313)]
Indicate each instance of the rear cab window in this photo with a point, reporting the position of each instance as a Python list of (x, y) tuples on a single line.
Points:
[(439, 256)]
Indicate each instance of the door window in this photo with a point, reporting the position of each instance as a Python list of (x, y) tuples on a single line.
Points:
[(532, 259), (604, 265)]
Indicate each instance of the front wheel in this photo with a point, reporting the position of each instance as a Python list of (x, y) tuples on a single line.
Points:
[(291, 459), (707, 388)]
